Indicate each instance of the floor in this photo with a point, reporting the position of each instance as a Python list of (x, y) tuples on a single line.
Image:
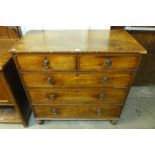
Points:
[(138, 113)]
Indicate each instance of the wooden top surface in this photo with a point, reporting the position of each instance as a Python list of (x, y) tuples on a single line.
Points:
[(5, 45), (78, 41)]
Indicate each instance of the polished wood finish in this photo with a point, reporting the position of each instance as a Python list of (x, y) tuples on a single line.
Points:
[(77, 74), (5, 45), (77, 112), (78, 41), (76, 80), (72, 96), (47, 62), (4, 58), (104, 62)]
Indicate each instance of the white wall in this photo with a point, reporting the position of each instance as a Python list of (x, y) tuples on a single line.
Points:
[(69, 14), (57, 26)]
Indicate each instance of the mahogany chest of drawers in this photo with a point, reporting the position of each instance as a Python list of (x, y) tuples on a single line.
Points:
[(77, 74), (14, 107)]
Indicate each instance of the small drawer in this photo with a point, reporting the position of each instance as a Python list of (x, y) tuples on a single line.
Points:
[(77, 111), (105, 62), (47, 62), (78, 96), (57, 80)]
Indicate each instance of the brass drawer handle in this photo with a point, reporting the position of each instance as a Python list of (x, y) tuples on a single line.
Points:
[(105, 80), (52, 96), (99, 111), (46, 63), (101, 97), (108, 63), (50, 80), (55, 111)]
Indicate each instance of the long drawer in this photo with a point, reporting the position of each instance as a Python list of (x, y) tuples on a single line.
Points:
[(54, 80), (47, 62), (104, 62), (103, 96), (77, 111)]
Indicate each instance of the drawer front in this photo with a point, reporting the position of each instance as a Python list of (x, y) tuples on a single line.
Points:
[(4, 95), (77, 111), (53, 80), (103, 96), (47, 62), (90, 62)]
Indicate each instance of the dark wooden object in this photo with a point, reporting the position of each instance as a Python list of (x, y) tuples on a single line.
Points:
[(14, 107), (10, 32), (146, 73), (79, 74)]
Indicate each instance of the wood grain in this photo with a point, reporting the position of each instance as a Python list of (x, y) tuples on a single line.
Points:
[(98, 62), (55, 62), (88, 76), (77, 41), (4, 58), (61, 80), (77, 111), (102, 96), (6, 44), (8, 33)]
